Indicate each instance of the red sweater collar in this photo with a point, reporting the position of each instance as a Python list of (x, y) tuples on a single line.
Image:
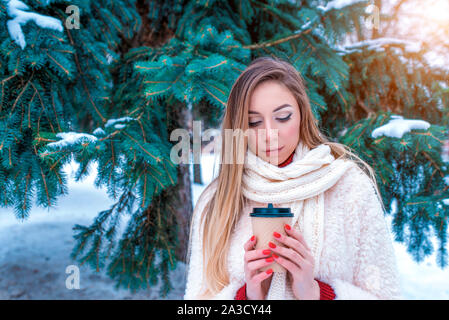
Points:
[(286, 162)]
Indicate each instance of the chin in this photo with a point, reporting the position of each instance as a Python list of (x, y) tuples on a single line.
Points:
[(274, 160)]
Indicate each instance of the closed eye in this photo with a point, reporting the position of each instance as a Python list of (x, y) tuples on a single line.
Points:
[(286, 118), (253, 124)]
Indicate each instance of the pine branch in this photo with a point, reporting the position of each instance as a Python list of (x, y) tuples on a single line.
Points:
[(270, 43)]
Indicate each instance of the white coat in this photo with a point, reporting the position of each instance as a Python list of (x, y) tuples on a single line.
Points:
[(357, 259)]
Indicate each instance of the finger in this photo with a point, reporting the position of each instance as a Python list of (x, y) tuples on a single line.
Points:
[(290, 266), (250, 243), (256, 254), (295, 234), (261, 276), (255, 265), (294, 244), (289, 253)]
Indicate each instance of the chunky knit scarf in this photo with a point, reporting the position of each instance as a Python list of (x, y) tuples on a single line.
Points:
[(300, 185)]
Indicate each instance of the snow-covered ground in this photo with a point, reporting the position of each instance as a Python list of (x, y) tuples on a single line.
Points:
[(34, 254)]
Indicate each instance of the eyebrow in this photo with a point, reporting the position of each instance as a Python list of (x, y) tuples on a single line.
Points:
[(278, 108)]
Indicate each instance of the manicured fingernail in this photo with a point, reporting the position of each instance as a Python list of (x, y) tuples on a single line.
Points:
[(253, 238), (287, 226), (266, 251), (277, 235), (271, 245), (275, 256), (270, 259), (269, 271)]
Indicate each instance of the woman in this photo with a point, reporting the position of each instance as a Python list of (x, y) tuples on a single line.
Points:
[(338, 244)]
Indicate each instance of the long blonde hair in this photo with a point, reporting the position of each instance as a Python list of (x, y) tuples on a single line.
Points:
[(221, 213)]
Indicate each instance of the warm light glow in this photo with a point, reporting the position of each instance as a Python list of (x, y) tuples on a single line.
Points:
[(436, 10)]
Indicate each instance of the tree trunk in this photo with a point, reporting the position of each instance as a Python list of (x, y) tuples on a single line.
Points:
[(181, 201), (183, 210), (197, 173)]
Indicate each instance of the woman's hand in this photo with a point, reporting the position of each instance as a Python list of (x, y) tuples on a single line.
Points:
[(254, 260), (298, 260)]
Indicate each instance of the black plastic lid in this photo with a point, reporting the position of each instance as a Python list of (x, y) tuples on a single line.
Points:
[(271, 212)]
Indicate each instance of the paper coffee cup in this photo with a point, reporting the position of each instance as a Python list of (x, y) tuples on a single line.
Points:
[(264, 222)]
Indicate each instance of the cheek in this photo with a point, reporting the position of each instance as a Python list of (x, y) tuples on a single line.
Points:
[(290, 133), (252, 140)]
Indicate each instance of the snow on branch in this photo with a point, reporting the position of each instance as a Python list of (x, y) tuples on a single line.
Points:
[(71, 138), (340, 4), (16, 11), (399, 126), (380, 44), (99, 132), (112, 122)]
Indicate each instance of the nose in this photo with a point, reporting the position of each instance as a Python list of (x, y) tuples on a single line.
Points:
[(271, 134)]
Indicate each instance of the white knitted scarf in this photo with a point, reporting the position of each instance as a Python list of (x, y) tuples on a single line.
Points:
[(300, 185)]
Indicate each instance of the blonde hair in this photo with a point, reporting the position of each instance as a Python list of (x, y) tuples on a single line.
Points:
[(221, 213)]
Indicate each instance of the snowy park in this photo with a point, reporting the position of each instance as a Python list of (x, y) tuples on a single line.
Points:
[(95, 96), (34, 253)]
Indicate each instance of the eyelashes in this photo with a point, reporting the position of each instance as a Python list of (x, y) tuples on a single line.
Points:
[(253, 124), (286, 118)]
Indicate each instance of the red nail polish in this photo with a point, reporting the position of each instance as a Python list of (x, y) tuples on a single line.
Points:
[(275, 255), (277, 235), (271, 245), (269, 271), (266, 251), (287, 227), (270, 259), (253, 238)]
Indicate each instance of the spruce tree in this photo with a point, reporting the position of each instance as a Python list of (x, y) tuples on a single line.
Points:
[(113, 90)]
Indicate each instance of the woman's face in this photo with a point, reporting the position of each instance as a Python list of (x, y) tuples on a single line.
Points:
[(273, 122)]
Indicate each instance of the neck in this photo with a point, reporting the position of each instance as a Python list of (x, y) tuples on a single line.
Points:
[(286, 162)]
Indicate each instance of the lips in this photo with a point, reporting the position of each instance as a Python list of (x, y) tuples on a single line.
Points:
[(269, 151)]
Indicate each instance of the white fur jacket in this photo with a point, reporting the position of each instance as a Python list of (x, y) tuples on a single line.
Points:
[(357, 258)]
